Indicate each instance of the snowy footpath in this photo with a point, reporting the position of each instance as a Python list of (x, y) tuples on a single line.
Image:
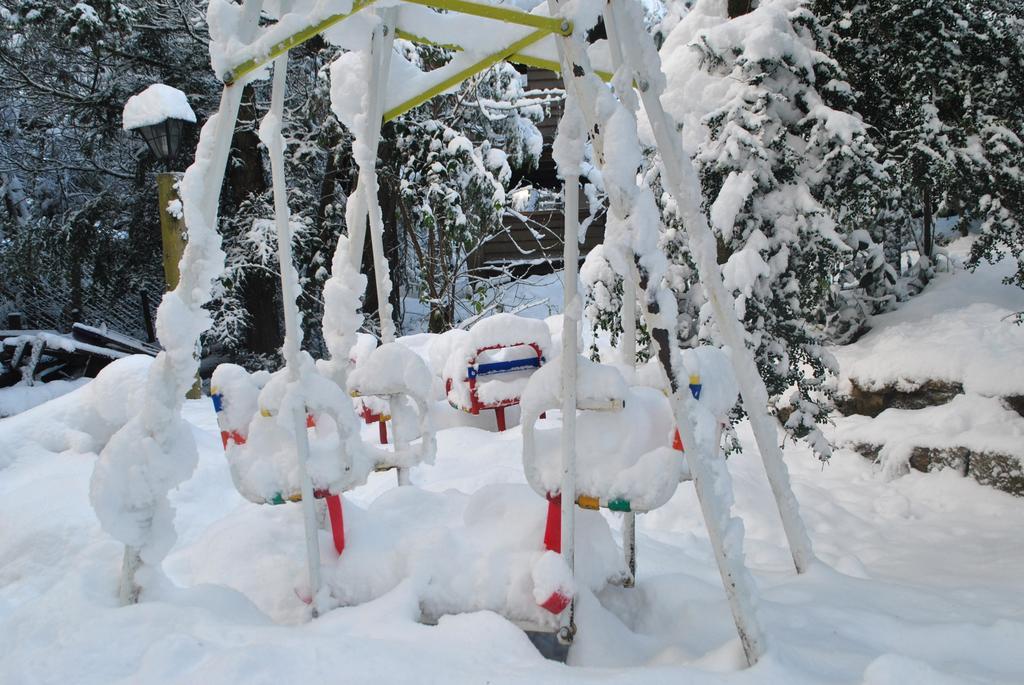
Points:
[(919, 580)]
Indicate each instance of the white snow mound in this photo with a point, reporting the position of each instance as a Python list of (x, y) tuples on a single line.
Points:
[(157, 103)]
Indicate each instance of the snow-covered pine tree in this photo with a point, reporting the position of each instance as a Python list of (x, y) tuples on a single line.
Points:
[(788, 173), (939, 82), (319, 169), (444, 169), (84, 240), (450, 164)]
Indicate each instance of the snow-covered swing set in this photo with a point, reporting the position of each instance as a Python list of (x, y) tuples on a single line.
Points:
[(304, 410)]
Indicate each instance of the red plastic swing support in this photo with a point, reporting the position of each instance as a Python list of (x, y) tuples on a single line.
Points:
[(382, 425), (337, 522), (557, 601), (553, 529)]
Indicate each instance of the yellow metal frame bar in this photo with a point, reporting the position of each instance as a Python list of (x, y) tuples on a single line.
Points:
[(543, 27), (297, 38), (517, 58), (509, 16), (413, 38), (463, 74)]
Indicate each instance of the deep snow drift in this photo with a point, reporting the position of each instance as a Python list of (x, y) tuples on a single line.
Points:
[(918, 582)]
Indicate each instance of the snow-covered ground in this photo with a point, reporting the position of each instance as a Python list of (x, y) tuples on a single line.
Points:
[(20, 397), (958, 330), (918, 581)]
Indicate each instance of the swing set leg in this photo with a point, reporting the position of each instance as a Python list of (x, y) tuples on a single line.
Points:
[(337, 522), (499, 413), (629, 546), (382, 428)]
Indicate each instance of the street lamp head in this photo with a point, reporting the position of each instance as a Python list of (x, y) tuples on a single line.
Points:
[(159, 113), (163, 139)]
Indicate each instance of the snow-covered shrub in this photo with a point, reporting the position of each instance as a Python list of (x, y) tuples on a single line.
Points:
[(939, 82), (603, 292), (788, 173)]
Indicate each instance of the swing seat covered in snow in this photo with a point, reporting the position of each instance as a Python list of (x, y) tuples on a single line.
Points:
[(259, 439), (371, 409), (491, 367), (623, 459), (260, 444), (397, 378)]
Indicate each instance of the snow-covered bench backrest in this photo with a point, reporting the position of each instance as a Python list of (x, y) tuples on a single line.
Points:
[(504, 349)]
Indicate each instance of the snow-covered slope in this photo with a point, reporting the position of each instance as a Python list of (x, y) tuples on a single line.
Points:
[(957, 333), (956, 330)]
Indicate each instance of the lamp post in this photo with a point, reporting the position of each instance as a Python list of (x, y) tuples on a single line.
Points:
[(158, 114)]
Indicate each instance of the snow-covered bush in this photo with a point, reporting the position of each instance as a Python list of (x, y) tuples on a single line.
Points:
[(788, 174), (939, 82), (77, 201)]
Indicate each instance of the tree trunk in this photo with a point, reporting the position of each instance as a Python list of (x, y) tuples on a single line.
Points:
[(334, 171), (737, 8), (958, 209), (928, 232), (393, 250), (889, 221), (245, 177)]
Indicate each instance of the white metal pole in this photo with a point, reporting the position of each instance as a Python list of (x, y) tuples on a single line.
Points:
[(293, 332), (369, 137), (380, 54), (282, 222), (738, 585), (629, 546), (714, 493), (682, 183), (397, 403), (128, 590), (381, 47), (570, 352), (221, 127), (227, 114), (627, 344)]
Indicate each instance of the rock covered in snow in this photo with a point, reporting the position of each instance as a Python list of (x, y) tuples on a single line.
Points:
[(976, 435)]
